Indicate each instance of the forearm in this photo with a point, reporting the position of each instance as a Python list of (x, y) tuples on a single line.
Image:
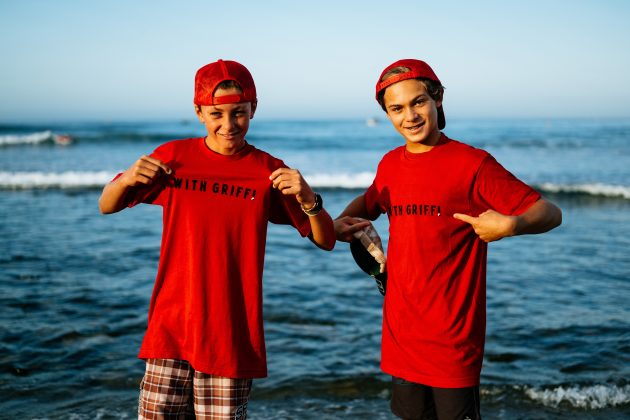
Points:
[(541, 217), (322, 230), (356, 208), (113, 197)]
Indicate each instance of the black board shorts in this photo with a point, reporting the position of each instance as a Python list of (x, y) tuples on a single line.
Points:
[(412, 401)]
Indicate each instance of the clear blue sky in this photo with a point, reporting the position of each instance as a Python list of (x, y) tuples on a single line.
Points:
[(116, 59)]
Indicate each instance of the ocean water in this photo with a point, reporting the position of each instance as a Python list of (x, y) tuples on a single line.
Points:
[(75, 285)]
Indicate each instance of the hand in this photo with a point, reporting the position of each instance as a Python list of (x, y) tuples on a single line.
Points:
[(290, 182), (145, 171), (346, 226), (490, 225)]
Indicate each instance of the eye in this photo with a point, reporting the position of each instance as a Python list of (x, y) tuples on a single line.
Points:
[(215, 114), (420, 102)]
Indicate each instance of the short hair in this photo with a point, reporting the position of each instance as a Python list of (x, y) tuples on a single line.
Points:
[(228, 84), (225, 85), (434, 89)]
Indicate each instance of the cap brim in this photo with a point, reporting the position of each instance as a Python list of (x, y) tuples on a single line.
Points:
[(368, 264)]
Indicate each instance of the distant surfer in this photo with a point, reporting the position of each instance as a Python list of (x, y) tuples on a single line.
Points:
[(445, 201), (62, 139)]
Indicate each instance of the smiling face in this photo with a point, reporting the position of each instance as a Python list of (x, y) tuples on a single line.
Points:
[(413, 113), (226, 124)]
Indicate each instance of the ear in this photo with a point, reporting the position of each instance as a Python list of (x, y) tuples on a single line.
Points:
[(438, 103), (199, 113), (254, 105)]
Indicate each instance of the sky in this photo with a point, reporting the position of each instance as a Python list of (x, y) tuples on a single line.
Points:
[(135, 60)]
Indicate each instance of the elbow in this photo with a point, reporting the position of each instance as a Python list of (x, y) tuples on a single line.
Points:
[(104, 209), (101, 208), (326, 243), (329, 245), (558, 218), (556, 215)]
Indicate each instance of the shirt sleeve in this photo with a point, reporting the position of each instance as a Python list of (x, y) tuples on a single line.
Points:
[(285, 210), (149, 194), (497, 189)]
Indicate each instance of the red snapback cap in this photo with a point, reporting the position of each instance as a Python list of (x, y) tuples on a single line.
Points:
[(211, 75), (417, 68)]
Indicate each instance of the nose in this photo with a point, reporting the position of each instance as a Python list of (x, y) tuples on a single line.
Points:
[(229, 123), (410, 114)]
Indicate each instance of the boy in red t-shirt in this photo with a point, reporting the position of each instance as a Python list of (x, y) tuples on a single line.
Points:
[(445, 201), (204, 341)]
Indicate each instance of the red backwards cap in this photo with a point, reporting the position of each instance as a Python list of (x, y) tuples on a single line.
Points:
[(417, 68), (211, 75)]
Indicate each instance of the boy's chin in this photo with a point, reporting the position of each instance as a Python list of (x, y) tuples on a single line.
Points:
[(227, 141), (417, 139)]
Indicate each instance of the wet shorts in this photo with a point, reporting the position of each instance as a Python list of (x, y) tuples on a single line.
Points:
[(414, 401), (172, 389)]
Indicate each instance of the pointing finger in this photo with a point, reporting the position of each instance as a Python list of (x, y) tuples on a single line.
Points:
[(465, 218), (360, 225)]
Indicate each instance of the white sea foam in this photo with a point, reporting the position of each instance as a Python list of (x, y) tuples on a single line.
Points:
[(598, 189), (346, 180), (75, 179), (43, 180), (587, 397), (33, 138), (361, 180)]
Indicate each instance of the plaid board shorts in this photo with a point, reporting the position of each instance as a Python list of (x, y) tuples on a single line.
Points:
[(172, 389)]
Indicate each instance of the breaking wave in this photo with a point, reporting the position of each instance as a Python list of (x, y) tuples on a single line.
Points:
[(358, 181), (585, 397), (40, 137)]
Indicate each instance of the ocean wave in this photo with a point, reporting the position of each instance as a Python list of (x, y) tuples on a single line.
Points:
[(595, 189), (39, 137), (33, 138), (53, 180), (591, 397), (78, 179), (344, 181)]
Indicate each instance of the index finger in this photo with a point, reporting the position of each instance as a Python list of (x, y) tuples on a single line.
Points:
[(355, 221), (158, 163), (354, 225), (278, 172), (465, 218)]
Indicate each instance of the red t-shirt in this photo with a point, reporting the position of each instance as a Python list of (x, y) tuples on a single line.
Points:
[(206, 306), (434, 314)]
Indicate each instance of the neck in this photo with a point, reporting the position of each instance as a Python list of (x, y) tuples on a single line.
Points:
[(231, 149), (426, 145)]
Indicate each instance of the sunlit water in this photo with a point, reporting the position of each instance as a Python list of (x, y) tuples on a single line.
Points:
[(75, 285)]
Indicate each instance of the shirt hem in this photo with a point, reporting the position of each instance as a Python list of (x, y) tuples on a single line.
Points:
[(209, 370), (437, 382)]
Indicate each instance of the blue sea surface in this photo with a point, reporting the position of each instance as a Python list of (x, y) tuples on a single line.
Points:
[(75, 285)]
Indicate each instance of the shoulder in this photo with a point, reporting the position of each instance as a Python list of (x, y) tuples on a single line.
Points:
[(465, 153), (173, 147), (265, 159), (392, 157), (460, 147)]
